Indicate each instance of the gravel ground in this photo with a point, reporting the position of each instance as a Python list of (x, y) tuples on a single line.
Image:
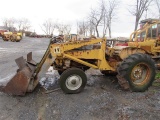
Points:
[(102, 99)]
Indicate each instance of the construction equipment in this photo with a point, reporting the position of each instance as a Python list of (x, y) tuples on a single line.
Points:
[(2, 32), (71, 59), (144, 40), (12, 36)]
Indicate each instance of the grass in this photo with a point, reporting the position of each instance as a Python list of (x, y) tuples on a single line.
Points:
[(156, 83), (157, 76)]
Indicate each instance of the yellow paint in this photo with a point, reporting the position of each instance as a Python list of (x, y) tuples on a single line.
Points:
[(148, 44), (69, 50)]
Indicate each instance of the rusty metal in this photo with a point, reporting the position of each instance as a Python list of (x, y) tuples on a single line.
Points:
[(140, 74), (124, 53), (18, 85), (20, 62), (30, 60)]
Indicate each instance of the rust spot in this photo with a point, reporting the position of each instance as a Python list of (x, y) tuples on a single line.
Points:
[(18, 85)]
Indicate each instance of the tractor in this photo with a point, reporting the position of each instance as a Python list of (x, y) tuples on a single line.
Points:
[(72, 58), (144, 40), (12, 36)]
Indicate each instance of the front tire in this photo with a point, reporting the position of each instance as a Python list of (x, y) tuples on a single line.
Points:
[(138, 70), (73, 80)]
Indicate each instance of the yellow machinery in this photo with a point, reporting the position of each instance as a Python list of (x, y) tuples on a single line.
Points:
[(12, 36), (144, 40), (71, 59)]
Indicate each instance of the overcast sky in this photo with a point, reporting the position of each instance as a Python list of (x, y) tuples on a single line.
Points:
[(66, 11)]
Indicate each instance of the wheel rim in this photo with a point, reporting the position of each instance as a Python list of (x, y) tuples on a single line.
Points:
[(73, 82), (140, 74)]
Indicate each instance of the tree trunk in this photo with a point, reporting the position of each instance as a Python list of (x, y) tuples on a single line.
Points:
[(109, 29), (97, 31), (104, 30), (136, 24), (90, 32)]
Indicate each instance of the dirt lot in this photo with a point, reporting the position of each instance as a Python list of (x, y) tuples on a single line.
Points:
[(101, 99)]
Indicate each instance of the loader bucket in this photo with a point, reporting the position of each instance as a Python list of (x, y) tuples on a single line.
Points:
[(18, 85)]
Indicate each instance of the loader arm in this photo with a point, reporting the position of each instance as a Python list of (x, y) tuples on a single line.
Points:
[(41, 69), (68, 50)]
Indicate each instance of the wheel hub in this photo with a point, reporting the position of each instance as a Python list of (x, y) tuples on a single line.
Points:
[(73, 82), (140, 73), (137, 73)]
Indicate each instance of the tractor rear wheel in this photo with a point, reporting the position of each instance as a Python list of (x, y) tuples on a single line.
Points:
[(136, 72), (73, 80)]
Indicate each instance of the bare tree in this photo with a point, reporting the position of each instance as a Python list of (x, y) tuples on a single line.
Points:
[(91, 28), (138, 9), (23, 24), (19, 24), (26, 24), (82, 28), (67, 29), (5, 22), (60, 28), (48, 27), (103, 16), (96, 16), (63, 28), (111, 10), (10, 23), (158, 6), (105, 25)]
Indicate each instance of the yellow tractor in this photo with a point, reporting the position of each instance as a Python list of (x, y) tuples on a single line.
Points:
[(71, 59), (144, 40), (12, 36)]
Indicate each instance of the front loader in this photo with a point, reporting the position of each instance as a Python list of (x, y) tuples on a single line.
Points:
[(72, 58)]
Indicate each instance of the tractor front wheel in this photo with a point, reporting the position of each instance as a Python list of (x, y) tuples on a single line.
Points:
[(136, 72), (73, 80)]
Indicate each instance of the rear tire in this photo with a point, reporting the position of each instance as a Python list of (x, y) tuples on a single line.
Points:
[(73, 80), (138, 70)]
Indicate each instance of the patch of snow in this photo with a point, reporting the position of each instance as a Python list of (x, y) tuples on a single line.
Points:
[(3, 49), (4, 81), (92, 71), (50, 81)]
